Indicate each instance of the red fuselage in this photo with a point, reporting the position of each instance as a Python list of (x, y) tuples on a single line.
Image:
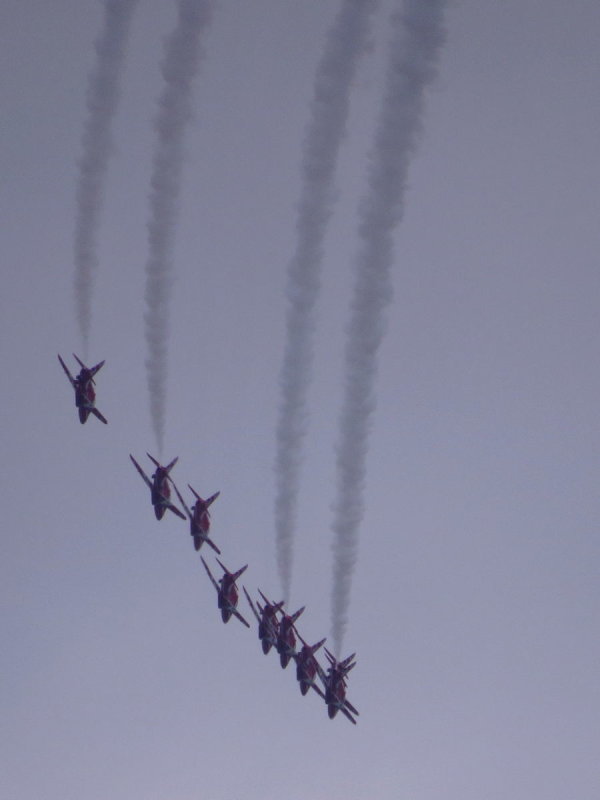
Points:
[(200, 518), (85, 396), (161, 492), (306, 668), (268, 628), (286, 641), (227, 597), (335, 692)]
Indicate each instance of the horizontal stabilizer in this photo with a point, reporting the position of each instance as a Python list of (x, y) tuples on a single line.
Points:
[(223, 567), (233, 575), (268, 602), (207, 502), (154, 461), (92, 370), (343, 665)]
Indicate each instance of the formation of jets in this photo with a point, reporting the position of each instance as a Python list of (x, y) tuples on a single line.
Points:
[(276, 628), (281, 632)]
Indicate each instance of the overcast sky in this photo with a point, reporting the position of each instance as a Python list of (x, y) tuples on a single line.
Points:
[(475, 596)]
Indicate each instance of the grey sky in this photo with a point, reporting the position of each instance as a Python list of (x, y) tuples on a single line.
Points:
[(474, 609), (325, 131)]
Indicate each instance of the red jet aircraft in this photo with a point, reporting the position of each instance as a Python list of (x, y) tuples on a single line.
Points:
[(334, 682), (159, 486), (286, 641), (227, 592), (307, 667), (199, 518), (85, 396), (268, 624)]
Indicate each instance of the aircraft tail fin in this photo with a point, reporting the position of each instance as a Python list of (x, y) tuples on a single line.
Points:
[(79, 361), (237, 574), (297, 614), (223, 567), (170, 466), (212, 499), (234, 575)]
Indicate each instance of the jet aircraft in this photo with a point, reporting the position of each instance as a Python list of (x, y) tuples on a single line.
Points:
[(199, 517), (227, 593), (83, 384), (286, 640), (307, 667), (268, 624), (159, 486), (334, 682)]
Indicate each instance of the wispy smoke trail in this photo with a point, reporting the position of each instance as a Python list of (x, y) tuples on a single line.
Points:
[(417, 38), (180, 64), (102, 100), (324, 134)]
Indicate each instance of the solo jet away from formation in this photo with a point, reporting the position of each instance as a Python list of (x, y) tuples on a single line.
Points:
[(268, 624), (199, 518), (159, 487), (307, 667), (334, 682), (85, 396), (227, 592)]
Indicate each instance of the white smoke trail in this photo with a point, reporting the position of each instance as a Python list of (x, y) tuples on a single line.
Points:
[(102, 99), (179, 66), (417, 38), (323, 136)]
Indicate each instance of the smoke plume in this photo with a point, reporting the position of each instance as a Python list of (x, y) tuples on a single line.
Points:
[(180, 64), (323, 136), (417, 38), (101, 103)]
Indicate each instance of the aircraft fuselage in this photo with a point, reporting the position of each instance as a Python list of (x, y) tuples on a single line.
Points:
[(227, 598), (286, 641)]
